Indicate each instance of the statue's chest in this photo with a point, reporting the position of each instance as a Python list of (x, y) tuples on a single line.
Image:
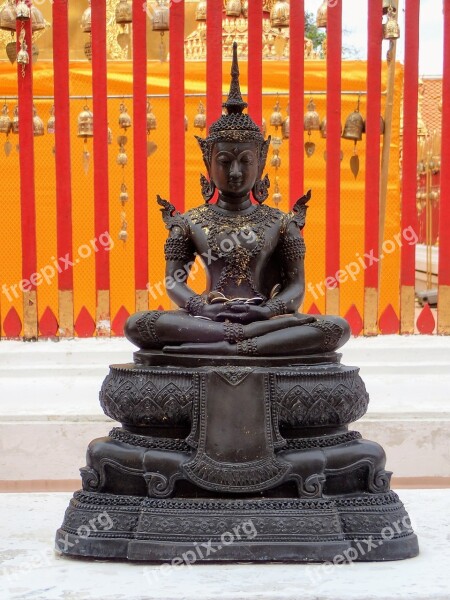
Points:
[(235, 237)]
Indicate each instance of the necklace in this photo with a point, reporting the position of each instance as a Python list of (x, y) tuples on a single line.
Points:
[(237, 256)]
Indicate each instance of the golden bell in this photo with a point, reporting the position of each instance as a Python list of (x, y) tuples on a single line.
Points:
[(122, 158), (37, 20), (264, 127), (85, 123), (275, 161), (323, 128), (38, 124), (200, 11), (285, 128), (123, 197), (15, 120), (276, 118), (233, 8), (245, 9), (23, 12), (51, 123), (123, 235), (200, 117), (5, 121), (151, 119), (8, 16), (124, 117), (277, 197), (354, 126), (86, 19), (391, 30), (123, 13), (186, 123), (161, 16), (321, 16), (279, 15), (23, 58), (311, 121)]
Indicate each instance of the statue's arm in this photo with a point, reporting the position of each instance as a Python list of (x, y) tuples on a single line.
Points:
[(291, 249), (179, 252)]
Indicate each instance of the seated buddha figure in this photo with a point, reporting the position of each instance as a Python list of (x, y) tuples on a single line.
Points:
[(253, 255)]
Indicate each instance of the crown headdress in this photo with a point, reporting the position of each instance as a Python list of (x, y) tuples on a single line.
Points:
[(234, 126)]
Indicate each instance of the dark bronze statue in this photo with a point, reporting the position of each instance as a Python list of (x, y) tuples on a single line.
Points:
[(236, 409), (253, 255)]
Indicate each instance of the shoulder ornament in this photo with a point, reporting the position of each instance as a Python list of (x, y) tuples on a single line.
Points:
[(298, 213), (172, 217)]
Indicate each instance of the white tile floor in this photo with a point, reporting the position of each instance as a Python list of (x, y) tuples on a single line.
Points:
[(29, 569)]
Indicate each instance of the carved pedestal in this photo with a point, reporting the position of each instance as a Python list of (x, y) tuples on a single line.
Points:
[(250, 458)]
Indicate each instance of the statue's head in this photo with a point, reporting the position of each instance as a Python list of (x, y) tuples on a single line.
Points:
[(235, 151)]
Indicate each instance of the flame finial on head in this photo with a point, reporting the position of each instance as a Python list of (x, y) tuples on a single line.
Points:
[(234, 103)]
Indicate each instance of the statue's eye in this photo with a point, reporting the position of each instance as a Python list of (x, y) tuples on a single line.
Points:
[(223, 160)]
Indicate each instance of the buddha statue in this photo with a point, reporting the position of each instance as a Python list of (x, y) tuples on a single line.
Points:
[(253, 255), (236, 408)]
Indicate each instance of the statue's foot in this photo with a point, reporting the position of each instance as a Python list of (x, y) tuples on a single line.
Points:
[(221, 348), (259, 328)]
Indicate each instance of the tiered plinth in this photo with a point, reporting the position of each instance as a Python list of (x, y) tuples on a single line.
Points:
[(211, 445)]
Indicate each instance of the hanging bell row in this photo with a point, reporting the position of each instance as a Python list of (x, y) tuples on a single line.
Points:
[(10, 13)]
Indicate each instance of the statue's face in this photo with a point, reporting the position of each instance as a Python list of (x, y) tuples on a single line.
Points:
[(234, 168)]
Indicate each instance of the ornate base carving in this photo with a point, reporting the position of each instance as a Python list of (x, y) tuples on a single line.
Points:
[(365, 527), (245, 459)]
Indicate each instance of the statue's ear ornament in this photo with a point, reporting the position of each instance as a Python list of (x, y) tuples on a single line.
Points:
[(261, 189), (208, 188), (204, 147)]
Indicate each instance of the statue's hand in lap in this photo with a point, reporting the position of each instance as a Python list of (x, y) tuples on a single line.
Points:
[(244, 313)]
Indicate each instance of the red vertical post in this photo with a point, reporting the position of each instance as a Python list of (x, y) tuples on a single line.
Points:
[(101, 187), (255, 16), (213, 61), (141, 260), (62, 162), (372, 181), (333, 168), (296, 94), (177, 147), (27, 187), (409, 211), (444, 211)]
